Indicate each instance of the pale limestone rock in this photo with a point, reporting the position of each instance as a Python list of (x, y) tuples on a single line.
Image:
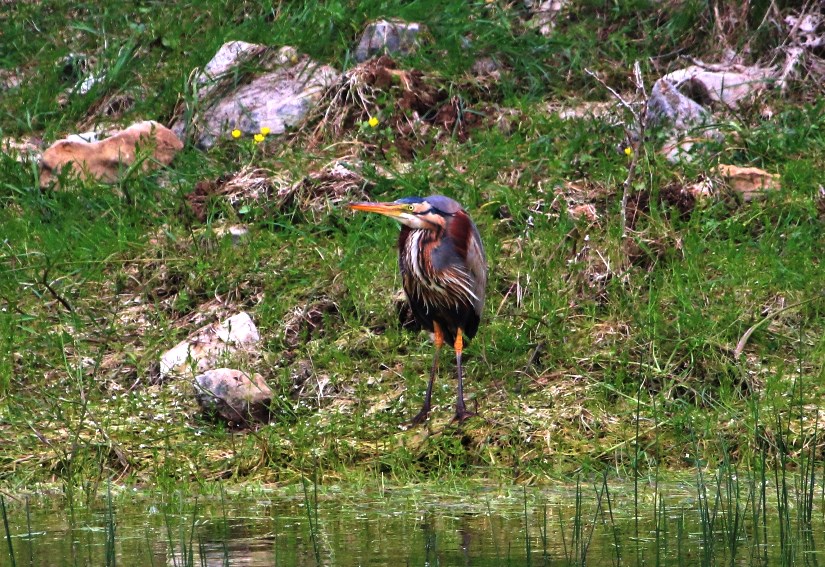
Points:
[(204, 347), (238, 232), (544, 14), (668, 107)]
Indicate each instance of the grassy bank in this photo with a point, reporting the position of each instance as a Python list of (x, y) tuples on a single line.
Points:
[(595, 351)]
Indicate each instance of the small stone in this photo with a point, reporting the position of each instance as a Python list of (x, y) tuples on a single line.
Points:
[(107, 159), (544, 14), (236, 231), (87, 137), (234, 396), (486, 66), (9, 80), (74, 66), (390, 37), (89, 82), (701, 189), (589, 110)]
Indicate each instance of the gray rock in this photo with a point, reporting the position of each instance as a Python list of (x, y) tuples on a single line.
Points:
[(388, 36), (544, 14), (686, 121), (667, 107), (281, 89), (231, 55), (234, 396), (238, 232)]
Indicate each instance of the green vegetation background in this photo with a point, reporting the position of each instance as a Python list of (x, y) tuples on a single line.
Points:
[(589, 341)]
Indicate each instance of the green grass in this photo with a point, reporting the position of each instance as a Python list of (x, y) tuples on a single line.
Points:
[(98, 281)]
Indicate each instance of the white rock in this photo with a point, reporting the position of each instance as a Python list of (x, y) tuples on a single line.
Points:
[(726, 86), (230, 55), (23, 151), (205, 346), (86, 137)]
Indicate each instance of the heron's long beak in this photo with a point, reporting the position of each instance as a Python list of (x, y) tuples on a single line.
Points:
[(393, 210)]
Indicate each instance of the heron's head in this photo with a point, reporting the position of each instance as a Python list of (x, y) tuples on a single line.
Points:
[(423, 213)]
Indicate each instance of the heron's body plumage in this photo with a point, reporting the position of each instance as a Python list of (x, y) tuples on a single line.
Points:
[(444, 278), (443, 272)]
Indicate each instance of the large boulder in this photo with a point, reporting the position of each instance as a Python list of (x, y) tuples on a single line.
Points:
[(203, 348), (234, 396), (393, 37), (247, 87), (106, 160)]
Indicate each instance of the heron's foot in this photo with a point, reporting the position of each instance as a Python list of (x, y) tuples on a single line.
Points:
[(421, 416), (462, 414)]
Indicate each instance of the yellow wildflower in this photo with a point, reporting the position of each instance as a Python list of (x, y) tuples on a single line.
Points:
[(628, 151), (259, 138), (265, 130), (373, 122), (236, 133)]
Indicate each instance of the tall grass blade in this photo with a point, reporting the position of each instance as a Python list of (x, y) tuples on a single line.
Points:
[(617, 558), (8, 530), (111, 557), (527, 550), (312, 517)]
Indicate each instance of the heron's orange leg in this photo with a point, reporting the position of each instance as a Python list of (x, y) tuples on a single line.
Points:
[(461, 412), (438, 339)]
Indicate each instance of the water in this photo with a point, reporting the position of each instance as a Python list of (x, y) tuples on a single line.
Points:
[(412, 526)]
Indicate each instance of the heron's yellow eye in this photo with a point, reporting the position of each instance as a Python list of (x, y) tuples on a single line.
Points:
[(410, 208)]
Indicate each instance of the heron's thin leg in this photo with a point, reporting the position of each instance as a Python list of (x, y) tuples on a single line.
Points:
[(461, 412), (438, 339)]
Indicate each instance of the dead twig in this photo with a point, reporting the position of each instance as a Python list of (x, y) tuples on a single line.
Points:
[(740, 346), (639, 120), (45, 283)]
